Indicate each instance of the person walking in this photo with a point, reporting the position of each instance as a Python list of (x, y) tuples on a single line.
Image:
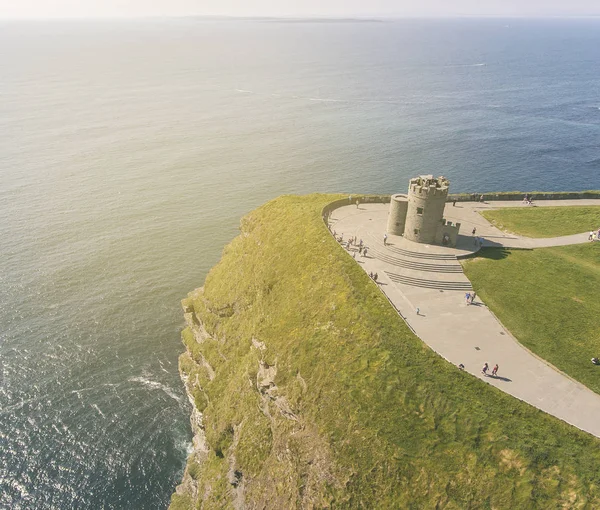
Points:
[(473, 296), (468, 297), (360, 250), (474, 230), (385, 239), (495, 369), (365, 251), (485, 369)]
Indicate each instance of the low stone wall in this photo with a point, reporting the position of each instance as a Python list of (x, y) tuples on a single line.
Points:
[(363, 199), (468, 197), (518, 195)]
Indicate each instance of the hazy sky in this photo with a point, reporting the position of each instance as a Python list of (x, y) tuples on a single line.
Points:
[(97, 8)]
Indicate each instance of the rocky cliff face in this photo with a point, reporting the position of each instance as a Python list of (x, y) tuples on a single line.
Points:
[(214, 475)]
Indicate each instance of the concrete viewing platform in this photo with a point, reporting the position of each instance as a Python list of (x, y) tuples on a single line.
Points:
[(430, 278)]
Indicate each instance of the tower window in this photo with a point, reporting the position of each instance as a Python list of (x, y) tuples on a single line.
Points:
[(419, 210)]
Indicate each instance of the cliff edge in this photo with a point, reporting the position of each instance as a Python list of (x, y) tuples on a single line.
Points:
[(309, 391)]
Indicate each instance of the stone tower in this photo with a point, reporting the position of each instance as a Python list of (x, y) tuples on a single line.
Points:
[(425, 212), (397, 216)]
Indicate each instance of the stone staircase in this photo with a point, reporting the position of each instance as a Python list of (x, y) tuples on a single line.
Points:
[(428, 283), (420, 269), (416, 265)]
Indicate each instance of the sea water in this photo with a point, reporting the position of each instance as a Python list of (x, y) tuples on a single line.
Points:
[(130, 149)]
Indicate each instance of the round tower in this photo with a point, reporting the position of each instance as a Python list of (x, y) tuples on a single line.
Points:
[(426, 201), (397, 214)]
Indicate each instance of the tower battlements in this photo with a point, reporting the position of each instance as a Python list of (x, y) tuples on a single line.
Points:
[(428, 185)]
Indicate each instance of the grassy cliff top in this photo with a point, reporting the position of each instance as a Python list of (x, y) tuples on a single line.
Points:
[(545, 221), (549, 299), (316, 394)]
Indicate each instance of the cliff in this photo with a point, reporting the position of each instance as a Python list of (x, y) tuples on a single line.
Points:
[(309, 391)]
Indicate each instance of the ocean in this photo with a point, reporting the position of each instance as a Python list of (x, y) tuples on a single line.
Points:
[(129, 150)]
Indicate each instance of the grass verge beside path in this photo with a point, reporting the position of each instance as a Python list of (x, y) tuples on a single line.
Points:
[(545, 221), (315, 393), (550, 301)]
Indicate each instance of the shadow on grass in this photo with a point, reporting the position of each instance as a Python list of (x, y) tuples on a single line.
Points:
[(493, 253)]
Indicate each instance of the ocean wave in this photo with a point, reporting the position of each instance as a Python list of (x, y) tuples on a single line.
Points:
[(349, 101), (155, 386), (482, 64), (98, 409), (327, 100), (593, 162)]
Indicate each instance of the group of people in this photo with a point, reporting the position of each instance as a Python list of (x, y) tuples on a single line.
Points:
[(594, 236), (486, 367), (527, 200), (470, 297), (374, 276), (477, 196), (353, 241)]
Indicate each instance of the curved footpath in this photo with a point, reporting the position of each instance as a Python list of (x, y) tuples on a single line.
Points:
[(430, 278)]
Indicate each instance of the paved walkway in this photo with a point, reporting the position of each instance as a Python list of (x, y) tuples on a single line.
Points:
[(430, 277)]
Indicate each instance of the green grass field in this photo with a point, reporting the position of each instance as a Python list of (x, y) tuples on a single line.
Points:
[(545, 221), (549, 299), (361, 414)]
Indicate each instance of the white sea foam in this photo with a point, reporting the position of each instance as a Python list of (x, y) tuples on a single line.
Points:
[(98, 409), (322, 100), (467, 65), (155, 386)]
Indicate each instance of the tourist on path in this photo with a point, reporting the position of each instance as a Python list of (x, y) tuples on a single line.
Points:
[(468, 297), (495, 369), (485, 369), (385, 239), (365, 251), (473, 296), (474, 230)]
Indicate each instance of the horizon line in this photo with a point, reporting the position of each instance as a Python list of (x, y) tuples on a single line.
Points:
[(308, 17)]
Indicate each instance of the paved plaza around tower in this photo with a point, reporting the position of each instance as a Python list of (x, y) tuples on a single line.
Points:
[(430, 278)]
